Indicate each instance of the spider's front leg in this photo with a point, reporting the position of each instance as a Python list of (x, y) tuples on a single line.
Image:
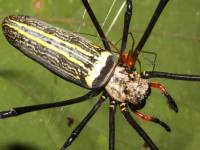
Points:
[(96, 24), (172, 104), (134, 53)]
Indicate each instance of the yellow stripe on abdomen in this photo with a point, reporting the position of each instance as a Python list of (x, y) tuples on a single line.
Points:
[(62, 52)]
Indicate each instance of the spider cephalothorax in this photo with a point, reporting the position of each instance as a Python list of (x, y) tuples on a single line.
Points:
[(127, 86)]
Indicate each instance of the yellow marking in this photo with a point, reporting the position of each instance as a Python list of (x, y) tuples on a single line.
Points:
[(113, 102), (123, 109), (122, 104), (103, 97), (95, 72), (52, 37), (45, 44), (111, 106), (71, 74), (92, 74)]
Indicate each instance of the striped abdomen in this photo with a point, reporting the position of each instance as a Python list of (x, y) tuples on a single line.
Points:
[(62, 52)]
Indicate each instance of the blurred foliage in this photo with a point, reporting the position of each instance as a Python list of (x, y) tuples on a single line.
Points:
[(175, 39)]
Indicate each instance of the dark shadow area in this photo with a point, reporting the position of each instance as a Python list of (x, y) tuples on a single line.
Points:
[(26, 81), (70, 121), (20, 146), (9, 73)]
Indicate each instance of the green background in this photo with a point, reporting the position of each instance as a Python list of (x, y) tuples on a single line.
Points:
[(175, 39)]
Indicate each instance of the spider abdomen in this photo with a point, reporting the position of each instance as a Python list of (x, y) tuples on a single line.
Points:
[(64, 53), (127, 87)]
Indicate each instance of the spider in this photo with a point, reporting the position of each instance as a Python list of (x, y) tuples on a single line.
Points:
[(117, 81)]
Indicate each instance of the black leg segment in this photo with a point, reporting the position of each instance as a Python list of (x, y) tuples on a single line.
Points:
[(149, 28), (139, 130), (96, 24), (82, 124), (25, 109), (127, 20), (175, 76), (149, 118), (112, 110)]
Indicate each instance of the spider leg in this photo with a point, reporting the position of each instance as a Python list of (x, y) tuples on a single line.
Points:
[(82, 124), (134, 54), (170, 100), (133, 40), (139, 130), (96, 24), (127, 20), (25, 109), (112, 110), (140, 65), (149, 118), (175, 76)]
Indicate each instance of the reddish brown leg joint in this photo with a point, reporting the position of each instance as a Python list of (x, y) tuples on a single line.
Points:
[(152, 119), (170, 100)]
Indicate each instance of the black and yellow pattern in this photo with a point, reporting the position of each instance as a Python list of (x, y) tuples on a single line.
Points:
[(64, 53)]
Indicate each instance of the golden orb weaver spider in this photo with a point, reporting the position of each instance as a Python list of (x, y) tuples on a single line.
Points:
[(126, 60)]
